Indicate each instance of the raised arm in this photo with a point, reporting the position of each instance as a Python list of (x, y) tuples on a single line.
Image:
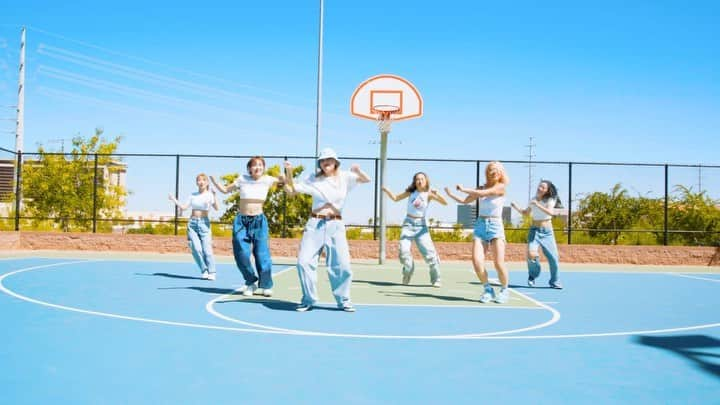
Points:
[(215, 203), (289, 185), (394, 197), (542, 207), (497, 189), (434, 195), (177, 203), (362, 177), (468, 198), (222, 188), (523, 211)]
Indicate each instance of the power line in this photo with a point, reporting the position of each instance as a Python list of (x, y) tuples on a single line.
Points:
[(148, 61)]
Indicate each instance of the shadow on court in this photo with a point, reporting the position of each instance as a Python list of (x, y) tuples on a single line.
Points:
[(426, 295), (276, 305), (169, 275), (697, 348)]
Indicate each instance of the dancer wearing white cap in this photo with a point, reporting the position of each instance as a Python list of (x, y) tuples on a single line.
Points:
[(328, 187)]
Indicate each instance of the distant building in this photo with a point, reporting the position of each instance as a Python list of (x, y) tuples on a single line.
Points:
[(110, 174), (466, 215), (507, 216)]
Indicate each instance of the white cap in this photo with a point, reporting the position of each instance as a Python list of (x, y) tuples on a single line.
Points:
[(328, 153)]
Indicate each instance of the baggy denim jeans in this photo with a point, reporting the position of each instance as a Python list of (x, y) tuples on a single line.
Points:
[(415, 229), (320, 233), (200, 241), (250, 237), (543, 237)]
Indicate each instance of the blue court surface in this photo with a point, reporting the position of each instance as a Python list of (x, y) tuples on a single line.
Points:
[(147, 329)]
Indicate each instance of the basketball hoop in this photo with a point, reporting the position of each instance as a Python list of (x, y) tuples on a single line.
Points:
[(384, 116)]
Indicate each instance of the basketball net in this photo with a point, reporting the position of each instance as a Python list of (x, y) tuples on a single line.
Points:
[(384, 117)]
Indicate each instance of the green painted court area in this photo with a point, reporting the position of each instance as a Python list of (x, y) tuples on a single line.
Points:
[(375, 284)]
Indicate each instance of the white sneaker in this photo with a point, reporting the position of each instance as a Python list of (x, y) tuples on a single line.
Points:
[(205, 275), (265, 292), (503, 296), (487, 296), (437, 284), (249, 290), (211, 277)]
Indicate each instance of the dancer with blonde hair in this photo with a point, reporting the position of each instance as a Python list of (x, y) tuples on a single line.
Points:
[(489, 233), (199, 233)]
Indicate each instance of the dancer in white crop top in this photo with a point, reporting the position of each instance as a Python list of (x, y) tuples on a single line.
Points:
[(250, 228), (325, 228), (489, 232), (199, 233), (414, 227), (541, 234)]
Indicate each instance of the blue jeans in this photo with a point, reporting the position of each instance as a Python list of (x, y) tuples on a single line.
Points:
[(253, 230), (200, 241), (415, 229), (542, 237), (487, 229), (318, 234)]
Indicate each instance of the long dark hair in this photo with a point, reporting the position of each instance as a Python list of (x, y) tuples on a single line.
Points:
[(412, 187), (551, 193)]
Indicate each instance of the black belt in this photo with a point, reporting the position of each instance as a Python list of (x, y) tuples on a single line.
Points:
[(326, 217)]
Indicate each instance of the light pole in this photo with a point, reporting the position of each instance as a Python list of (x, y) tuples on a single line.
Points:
[(318, 112)]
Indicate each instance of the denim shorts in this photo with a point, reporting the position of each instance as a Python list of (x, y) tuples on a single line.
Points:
[(487, 229)]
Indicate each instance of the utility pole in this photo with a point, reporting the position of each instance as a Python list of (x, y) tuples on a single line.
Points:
[(20, 128), (530, 156)]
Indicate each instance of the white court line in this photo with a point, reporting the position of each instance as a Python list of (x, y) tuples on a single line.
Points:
[(714, 280), (233, 329), (555, 317)]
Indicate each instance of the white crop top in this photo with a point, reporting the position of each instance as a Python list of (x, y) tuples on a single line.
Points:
[(491, 206), (331, 190), (539, 215), (201, 201), (251, 189), (418, 203)]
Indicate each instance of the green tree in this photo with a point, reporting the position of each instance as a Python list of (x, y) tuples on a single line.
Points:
[(606, 214), (279, 208), (694, 212), (60, 187)]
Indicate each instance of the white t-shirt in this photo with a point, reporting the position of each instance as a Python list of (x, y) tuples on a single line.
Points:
[(201, 201), (539, 215), (331, 190), (251, 189), (418, 203)]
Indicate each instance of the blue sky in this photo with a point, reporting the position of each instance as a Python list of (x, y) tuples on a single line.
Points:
[(609, 81)]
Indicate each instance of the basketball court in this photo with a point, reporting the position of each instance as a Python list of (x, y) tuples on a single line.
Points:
[(140, 328)]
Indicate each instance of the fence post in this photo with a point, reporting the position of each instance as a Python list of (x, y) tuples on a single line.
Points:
[(375, 198), (477, 184), (95, 181), (569, 218), (177, 189), (284, 223), (665, 221), (18, 190)]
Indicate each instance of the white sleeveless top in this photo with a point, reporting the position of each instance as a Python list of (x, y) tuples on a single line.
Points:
[(251, 189), (331, 190), (418, 203), (201, 201), (538, 215), (491, 206)]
